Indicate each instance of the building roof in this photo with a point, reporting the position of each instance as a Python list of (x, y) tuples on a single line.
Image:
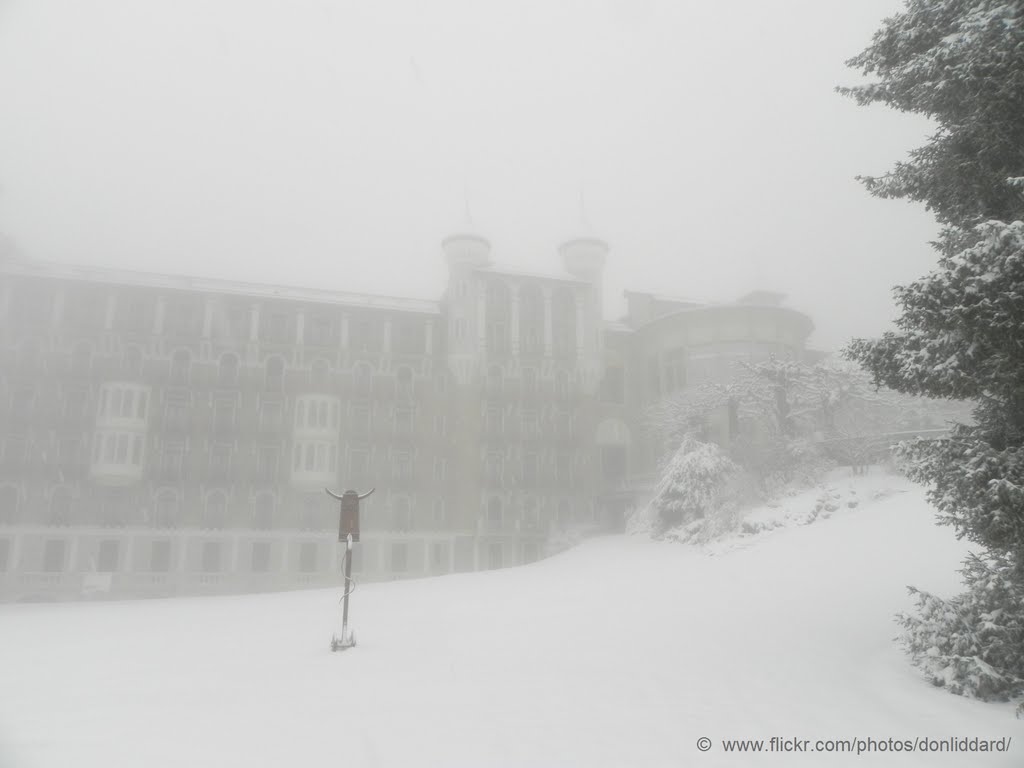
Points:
[(219, 286)]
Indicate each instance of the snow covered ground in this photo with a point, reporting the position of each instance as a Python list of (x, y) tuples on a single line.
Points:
[(621, 652)]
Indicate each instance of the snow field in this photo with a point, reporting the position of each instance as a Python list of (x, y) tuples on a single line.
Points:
[(621, 652)]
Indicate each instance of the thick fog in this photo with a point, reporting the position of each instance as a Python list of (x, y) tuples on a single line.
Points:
[(335, 144)]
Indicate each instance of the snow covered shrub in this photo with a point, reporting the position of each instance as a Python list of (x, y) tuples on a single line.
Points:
[(973, 643), (696, 492)]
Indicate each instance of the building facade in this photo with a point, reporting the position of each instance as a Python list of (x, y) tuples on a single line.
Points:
[(167, 435)]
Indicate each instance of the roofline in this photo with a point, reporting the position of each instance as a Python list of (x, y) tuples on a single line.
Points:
[(719, 307), (126, 277)]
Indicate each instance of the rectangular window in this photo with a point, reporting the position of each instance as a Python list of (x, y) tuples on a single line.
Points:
[(106, 557), (260, 556), (172, 459), (53, 556), (223, 414), (654, 377), (320, 331), (5, 554), (409, 337), (402, 466), (439, 554), (160, 556), (529, 469), (360, 466), (403, 421), (266, 461), (271, 415), (440, 467), (440, 424), (531, 424), (529, 381), (211, 557), (563, 470), (277, 327), (123, 441), (307, 557), (361, 420), (399, 558), (495, 420), (494, 468), (176, 413), (74, 403), (68, 451), (220, 458), (613, 462), (613, 387)]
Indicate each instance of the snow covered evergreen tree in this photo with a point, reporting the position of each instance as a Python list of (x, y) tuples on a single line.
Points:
[(961, 332), (694, 494)]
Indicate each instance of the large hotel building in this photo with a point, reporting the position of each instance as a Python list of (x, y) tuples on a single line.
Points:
[(165, 435)]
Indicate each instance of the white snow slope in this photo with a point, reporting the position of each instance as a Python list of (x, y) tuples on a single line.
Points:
[(621, 652)]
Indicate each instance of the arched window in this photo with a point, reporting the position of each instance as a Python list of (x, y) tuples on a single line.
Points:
[(227, 370), (263, 511), (275, 374), (215, 514), (165, 507), (8, 504), (181, 361)]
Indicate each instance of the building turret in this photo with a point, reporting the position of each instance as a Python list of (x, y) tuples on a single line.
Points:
[(584, 257), (466, 250)]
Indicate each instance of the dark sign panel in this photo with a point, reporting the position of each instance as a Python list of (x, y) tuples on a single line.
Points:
[(349, 523)]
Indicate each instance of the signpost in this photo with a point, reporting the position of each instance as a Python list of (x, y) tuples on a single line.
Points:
[(348, 532)]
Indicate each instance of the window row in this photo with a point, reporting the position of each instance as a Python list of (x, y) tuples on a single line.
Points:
[(113, 447), (123, 401)]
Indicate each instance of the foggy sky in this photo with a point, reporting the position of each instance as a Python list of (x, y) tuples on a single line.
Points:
[(335, 144)]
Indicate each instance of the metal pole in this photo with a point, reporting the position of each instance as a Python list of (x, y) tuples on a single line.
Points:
[(348, 580)]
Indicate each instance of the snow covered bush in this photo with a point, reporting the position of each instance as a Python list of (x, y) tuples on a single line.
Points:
[(696, 496), (961, 63), (972, 644)]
